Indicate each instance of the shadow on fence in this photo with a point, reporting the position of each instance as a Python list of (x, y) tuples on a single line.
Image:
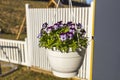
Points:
[(12, 47)]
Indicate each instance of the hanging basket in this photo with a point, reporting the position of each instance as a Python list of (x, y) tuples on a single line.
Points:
[(65, 65), (69, 41)]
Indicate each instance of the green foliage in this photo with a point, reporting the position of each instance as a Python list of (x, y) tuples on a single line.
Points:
[(59, 38), (12, 12)]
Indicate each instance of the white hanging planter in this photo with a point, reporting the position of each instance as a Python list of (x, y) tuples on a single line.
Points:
[(64, 65)]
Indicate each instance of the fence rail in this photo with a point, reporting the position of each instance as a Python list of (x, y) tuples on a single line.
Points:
[(13, 51)]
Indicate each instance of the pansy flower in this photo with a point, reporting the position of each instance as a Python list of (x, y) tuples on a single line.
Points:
[(49, 29), (69, 23), (70, 35), (61, 25), (63, 36), (79, 26), (44, 25), (82, 31), (72, 25), (72, 30), (56, 26), (60, 22)]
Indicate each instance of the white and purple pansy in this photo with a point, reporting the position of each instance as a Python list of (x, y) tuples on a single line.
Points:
[(79, 26), (70, 35), (61, 25), (49, 29), (72, 30), (69, 23), (60, 22), (56, 26), (44, 25), (82, 31), (72, 25), (63, 36)]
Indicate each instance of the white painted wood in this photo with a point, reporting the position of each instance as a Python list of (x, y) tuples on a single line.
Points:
[(29, 35), (12, 41), (90, 18), (13, 51)]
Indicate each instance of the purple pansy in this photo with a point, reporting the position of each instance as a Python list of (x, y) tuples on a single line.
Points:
[(69, 23), (72, 30), (72, 25), (44, 25), (63, 36), (49, 29), (56, 26), (82, 31), (61, 25), (70, 35), (79, 26), (60, 22)]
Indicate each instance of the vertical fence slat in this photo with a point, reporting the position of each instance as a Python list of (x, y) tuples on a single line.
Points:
[(10, 49)]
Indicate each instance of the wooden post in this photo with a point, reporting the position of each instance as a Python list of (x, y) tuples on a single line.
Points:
[(21, 27), (52, 2)]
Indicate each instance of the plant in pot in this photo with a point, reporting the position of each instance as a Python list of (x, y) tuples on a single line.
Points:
[(65, 44)]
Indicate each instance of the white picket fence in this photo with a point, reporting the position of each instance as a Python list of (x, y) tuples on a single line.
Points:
[(13, 51)]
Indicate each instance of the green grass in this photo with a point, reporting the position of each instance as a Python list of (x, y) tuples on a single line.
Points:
[(12, 36), (25, 74), (12, 14)]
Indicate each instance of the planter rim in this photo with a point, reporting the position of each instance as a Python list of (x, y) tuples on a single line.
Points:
[(60, 54)]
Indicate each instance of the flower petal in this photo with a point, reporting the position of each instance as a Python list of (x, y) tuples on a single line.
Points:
[(44, 25)]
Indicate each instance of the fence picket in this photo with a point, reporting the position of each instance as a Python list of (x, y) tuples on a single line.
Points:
[(11, 49)]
